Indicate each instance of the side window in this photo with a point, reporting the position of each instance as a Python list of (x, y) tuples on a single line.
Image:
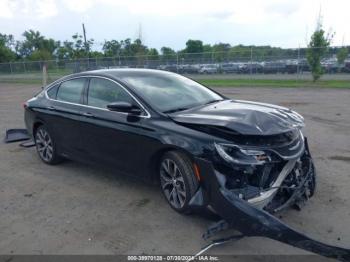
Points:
[(103, 92), (52, 92), (71, 90)]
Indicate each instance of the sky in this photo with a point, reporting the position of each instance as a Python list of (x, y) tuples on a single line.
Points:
[(281, 23)]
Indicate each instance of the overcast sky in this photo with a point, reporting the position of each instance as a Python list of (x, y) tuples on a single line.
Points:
[(285, 23)]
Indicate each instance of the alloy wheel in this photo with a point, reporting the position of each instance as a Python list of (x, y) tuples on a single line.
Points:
[(44, 144), (172, 183)]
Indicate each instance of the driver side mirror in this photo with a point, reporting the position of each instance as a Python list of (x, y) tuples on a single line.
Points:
[(124, 107)]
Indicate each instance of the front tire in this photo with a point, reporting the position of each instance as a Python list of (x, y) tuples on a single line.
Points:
[(178, 181), (46, 146)]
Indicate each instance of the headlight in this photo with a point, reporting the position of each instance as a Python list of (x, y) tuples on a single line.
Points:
[(234, 154)]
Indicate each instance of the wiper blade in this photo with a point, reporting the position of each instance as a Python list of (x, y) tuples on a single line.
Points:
[(185, 108), (214, 101), (176, 110)]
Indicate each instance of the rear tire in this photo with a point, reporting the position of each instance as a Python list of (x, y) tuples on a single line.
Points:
[(46, 146), (178, 181)]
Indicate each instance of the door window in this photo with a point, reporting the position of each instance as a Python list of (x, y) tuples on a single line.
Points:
[(51, 93), (103, 92), (71, 90)]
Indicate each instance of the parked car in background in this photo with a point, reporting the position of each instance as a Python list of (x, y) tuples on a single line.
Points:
[(170, 67), (229, 68), (189, 69), (274, 67), (209, 69), (250, 67)]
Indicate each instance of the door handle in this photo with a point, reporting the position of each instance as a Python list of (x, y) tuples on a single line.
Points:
[(88, 114), (51, 108)]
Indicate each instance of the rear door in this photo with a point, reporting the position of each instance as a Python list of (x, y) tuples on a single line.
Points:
[(65, 114), (112, 138)]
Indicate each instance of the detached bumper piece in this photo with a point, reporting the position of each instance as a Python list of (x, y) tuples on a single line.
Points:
[(253, 217), (16, 135)]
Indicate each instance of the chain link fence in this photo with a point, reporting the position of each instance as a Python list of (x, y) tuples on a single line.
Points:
[(248, 63)]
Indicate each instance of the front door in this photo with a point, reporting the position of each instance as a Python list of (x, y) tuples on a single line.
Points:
[(112, 138)]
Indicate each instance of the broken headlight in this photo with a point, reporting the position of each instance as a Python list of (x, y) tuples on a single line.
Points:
[(234, 154)]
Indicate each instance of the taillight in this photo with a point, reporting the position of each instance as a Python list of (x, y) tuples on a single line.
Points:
[(25, 105)]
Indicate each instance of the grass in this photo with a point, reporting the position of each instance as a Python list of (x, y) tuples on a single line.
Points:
[(274, 83), (30, 78), (35, 78)]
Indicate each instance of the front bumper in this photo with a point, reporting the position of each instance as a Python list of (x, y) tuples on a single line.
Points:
[(248, 216), (266, 197)]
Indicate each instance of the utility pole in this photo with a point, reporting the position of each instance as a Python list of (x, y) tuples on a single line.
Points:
[(140, 32), (251, 60), (139, 52), (86, 46), (298, 63)]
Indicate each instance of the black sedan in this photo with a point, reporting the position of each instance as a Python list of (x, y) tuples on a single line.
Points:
[(160, 126), (243, 160)]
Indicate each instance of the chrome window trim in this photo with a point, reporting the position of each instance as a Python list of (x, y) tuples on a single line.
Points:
[(148, 115)]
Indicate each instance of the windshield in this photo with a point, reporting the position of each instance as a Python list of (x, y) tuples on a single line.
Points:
[(169, 92)]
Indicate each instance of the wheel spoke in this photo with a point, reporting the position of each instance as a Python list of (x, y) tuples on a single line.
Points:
[(171, 195), (44, 153), (165, 177), (49, 154), (181, 198), (176, 172), (49, 148), (39, 137), (165, 166), (181, 192), (180, 179), (175, 198), (166, 183), (172, 167), (42, 135)]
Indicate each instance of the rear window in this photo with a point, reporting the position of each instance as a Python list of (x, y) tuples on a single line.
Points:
[(71, 90)]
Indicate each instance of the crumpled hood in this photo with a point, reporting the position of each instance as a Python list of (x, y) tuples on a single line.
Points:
[(244, 117)]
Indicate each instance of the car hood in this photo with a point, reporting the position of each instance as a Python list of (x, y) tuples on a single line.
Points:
[(243, 117)]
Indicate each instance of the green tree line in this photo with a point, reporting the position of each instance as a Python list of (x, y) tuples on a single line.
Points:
[(36, 47)]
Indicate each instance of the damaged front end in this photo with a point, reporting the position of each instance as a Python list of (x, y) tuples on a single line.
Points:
[(246, 183), (268, 176)]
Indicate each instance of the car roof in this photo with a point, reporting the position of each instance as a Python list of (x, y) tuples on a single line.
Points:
[(123, 72), (116, 74)]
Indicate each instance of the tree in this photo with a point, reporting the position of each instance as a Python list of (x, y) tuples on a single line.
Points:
[(80, 49), (112, 48), (65, 51), (342, 54), (138, 51), (167, 53), (138, 48), (207, 52), (220, 51), (194, 49), (153, 54), (194, 46), (6, 45), (317, 48), (36, 46), (40, 55)]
